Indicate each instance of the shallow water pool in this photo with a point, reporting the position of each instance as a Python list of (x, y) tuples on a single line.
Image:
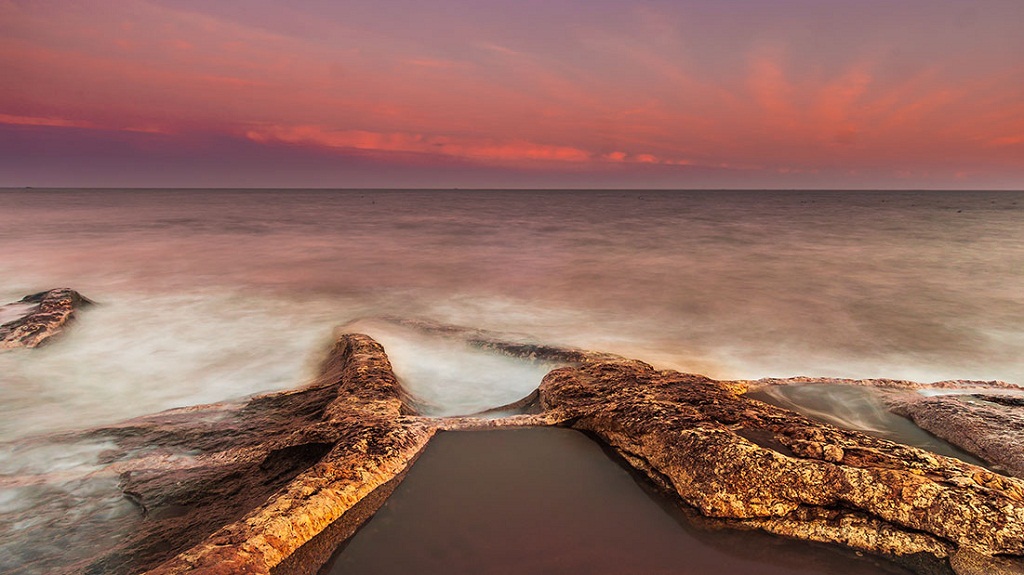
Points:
[(549, 500)]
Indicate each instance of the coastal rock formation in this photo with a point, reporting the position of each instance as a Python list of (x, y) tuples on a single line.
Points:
[(46, 315), (952, 384), (983, 418), (229, 489), (764, 467), (991, 426), (273, 485)]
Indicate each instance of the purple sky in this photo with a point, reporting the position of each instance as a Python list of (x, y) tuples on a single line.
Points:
[(673, 94)]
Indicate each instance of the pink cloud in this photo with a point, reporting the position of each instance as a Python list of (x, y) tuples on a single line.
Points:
[(473, 149), (36, 121), (1007, 141), (770, 89)]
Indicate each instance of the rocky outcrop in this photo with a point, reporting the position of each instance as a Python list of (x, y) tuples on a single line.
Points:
[(46, 315), (273, 485), (990, 426), (763, 467), (236, 489), (882, 383)]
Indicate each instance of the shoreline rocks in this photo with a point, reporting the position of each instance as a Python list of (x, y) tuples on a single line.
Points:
[(990, 426), (51, 313), (270, 475), (269, 486), (764, 467), (882, 383)]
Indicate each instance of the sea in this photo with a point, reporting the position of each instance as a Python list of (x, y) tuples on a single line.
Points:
[(215, 295)]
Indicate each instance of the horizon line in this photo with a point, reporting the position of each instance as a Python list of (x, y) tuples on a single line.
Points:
[(487, 189)]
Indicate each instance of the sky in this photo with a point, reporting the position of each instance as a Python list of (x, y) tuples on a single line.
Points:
[(863, 94)]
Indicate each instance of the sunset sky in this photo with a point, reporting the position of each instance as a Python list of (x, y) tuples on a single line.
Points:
[(503, 94)]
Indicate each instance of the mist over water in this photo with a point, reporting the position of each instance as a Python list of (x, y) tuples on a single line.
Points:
[(207, 296), (862, 409), (214, 295), (449, 377)]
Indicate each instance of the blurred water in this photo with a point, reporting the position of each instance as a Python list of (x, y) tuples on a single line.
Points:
[(207, 296), (861, 409), (447, 377), (210, 295), (13, 311)]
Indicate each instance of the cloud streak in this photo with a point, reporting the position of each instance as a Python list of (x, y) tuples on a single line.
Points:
[(480, 150)]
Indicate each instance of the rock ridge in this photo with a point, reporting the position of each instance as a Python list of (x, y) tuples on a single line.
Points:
[(257, 487)]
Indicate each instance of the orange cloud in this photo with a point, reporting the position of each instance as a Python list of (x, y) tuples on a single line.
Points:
[(512, 151), (36, 121), (484, 150), (839, 106), (69, 123), (770, 88), (1007, 141)]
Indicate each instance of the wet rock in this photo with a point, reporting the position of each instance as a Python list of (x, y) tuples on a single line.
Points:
[(692, 435), (882, 383), (47, 315), (272, 485), (990, 426), (238, 488)]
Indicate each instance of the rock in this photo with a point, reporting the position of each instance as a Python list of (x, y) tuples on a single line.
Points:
[(760, 466), (49, 313), (989, 426), (883, 383), (273, 485), (236, 489), (967, 562)]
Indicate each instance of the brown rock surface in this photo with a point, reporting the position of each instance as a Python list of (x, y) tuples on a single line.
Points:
[(236, 489), (990, 426), (52, 312), (273, 485), (735, 458), (882, 383)]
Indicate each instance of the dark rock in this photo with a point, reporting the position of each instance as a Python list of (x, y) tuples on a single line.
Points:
[(54, 310), (236, 489)]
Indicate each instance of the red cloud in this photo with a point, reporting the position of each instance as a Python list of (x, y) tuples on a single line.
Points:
[(511, 151)]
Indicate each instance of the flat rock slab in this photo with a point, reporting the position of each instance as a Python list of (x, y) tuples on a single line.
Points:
[(990, 426), (764, 467)]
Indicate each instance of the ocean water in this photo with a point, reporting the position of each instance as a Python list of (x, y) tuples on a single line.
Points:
[(210, 295), (214, 295)]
